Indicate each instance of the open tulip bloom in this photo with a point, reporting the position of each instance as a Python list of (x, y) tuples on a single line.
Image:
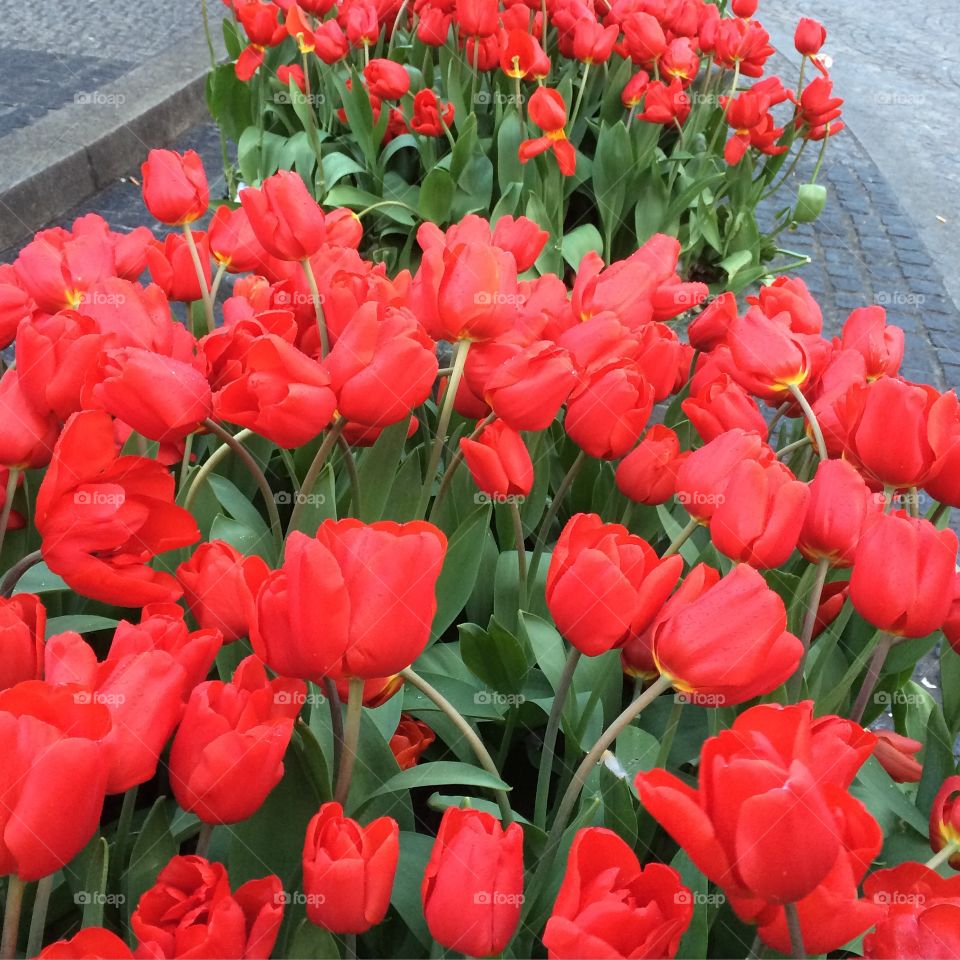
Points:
[(471, 576)]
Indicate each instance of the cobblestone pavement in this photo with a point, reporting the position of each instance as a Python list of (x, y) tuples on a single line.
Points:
[(54, 52), (898, 67)]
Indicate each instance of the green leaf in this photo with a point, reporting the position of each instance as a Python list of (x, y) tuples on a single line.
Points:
[(378, 468), (938, 761), (243, 538), (612, 166), (436, 195), (879, 792), (950, 685), (310, 942), (495, 656), (465, 147), (80, 623), (40, 579), (736, 262), (440, 774), (336, 166), (95, 896), (320, 505), (460, 568), (415, 851), (547, 645), (153, 849), (509, 168), (237, 504), (581, 241)]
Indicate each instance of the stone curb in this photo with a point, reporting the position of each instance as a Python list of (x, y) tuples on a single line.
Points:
[(71, 153)]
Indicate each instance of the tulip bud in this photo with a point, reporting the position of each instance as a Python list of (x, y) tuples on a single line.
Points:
[(809, 36), (648, 474), (175, 187), (499, 461)]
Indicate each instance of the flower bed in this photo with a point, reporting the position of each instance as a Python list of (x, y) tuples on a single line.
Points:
[(573, 647)]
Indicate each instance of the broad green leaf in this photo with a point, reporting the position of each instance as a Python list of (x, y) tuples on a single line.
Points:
[(153, 849), (80, 623), (436, 195), (440, 774), (460, 567)]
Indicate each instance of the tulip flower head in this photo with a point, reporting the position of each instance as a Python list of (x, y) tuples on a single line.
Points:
[(549, 113)]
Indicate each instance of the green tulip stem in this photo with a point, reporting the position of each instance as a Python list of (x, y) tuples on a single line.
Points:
[(212, 462), (583, 86), (336, 719), (11, 917), (809, 622), (12, 577), (217, 280), (455, 462), (811, 419), (608, 736), (351, 740), (201, 276), (38, 919), (521, 553), (446, 412), (670, 733), (565, 484), (550, 737), (253, 468), (11, 492), (796, 933), (874, 669), (682, 537), (469, 734), (317, 306), (203, 839), (314, 470), (943, 856), (351, 465)]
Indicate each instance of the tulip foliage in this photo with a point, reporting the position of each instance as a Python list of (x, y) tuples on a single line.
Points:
[(354, 612), (604, 123)]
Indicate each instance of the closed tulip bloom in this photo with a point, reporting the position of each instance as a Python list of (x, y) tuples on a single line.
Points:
[(91, 943), (348, 870), (175, 187), (144, 692), (220, 586), (721, 405), (809, 37), (765, 348), (172, 268), (610, 906), (945, 819), (636, 87), (190, 911), (710, 327), (522, 237), (648, 474), (232, 241), (607, 413), (27, 435), (790, 295), (474, 909), (228, 752), (592, 42), (15, 305), (528, 390), (925, 423), (162, 627), (897, 755), (759, 518), (776, 766), (102, 517), (730, 644), (410, 740), (282, 394), (357, 600), (903, 574), (55, 770), (839, 504), (944, 485), (920, 914), (703, 475), (386, 79), (866, 330), (286, 220), (23, 620), (604, 583), (162, 398), (499, 462), (382, 366)]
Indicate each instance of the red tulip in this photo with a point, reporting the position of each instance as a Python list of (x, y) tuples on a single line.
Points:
[(172, 268), (945, 819), (23, 620), (759, 517), (474, 911), (790, 295), (607, 413), (648, 474), (162, 627), (527, 390), (839, 505), (809, 37), (610, 906), (776, 765), (665, 104), (430, 114), (766, 350), (644, 38), (818, 111), (604, 584), (220, 587), (521, 56), (721, 405), (593, 42), (175, 187), (282, 394), (895, 753), (376, 692), (232, 241), (102, 517), (386, 79), (709, 328), (190, 911), (15, 305), (91, 943), (729, 644), (228, 752), (920, 918), (522, 237), (903, 574), (499, 462), (548, 111), (55, 770), (866, 330), (382, 365), (285, 219), (357, 600), (411, 738), (348, 870), (27, 435)]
